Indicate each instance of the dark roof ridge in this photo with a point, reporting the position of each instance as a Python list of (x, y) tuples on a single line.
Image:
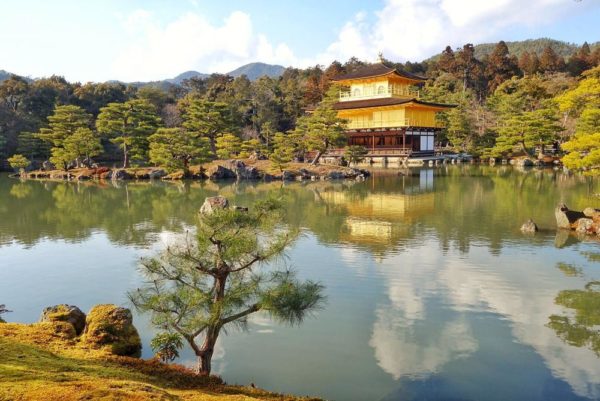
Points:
[(374, 70)]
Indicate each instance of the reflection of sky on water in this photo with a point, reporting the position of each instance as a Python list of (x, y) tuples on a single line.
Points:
[(432, 291), (435, 305)]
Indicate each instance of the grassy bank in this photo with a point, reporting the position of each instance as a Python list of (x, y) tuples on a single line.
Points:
[(41, 362)]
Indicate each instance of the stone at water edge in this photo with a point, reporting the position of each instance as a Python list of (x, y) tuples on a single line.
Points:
[(529, 227), (214, 203), (219, 172), (112, 326), (585, 225), (565, 218), (65, 313)]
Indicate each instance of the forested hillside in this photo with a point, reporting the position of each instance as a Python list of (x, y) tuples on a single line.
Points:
[(506, 105)]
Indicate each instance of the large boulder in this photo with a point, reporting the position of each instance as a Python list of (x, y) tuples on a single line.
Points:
[(218, 172), (214, 203), (566, 218), (529, 227), (112, 326), (241, 171), (65, 313)]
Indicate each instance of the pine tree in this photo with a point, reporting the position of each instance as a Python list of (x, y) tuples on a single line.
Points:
[(208, 119), (82, 145), (323, 128), (228, 146), (201, 288), (63, 123), (176, 148), (129, 125)]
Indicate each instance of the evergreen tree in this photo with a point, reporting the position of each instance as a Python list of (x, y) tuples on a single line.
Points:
[(583, 102), (31, 145), (355, 153), (323, 128), (283, 151), (550, 61), (18, 162), (529, 63), (129, 125), (199, 289), (82, 145), (176, 148), (228, 146), (207, 119), (500, 66), (63, 123)]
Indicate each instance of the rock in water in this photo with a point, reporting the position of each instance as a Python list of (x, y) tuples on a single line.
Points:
[(565, 218), (112, 326), (529, 227), (65, 313), (214, 203), (584, 225)]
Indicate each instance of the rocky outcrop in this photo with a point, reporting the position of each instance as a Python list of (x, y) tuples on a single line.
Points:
[(112, 326), (529, 227), (218, 172), (586, 222), (566, 218), (214, 203), (65, 313), (241, 171)]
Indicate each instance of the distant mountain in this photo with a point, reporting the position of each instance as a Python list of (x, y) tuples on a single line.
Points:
[(4, 75), (186, 75), (517, 48), (256, 70)]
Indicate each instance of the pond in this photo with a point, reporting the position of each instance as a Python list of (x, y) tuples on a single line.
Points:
[(432, 291)]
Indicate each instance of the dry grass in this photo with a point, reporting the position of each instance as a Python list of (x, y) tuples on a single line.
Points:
[(43, 362)]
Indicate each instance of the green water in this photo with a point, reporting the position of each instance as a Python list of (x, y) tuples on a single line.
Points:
[(433, 292)]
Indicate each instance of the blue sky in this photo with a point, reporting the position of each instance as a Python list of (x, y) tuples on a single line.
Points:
[(144, 40)]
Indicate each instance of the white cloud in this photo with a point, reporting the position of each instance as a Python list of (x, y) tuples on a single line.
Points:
[(192, 42), (416, 29)]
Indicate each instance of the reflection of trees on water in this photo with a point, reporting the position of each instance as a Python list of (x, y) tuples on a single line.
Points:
[(383, 215), (581, 328)]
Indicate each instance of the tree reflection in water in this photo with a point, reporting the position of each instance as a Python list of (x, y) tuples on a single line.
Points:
[(582, 329)]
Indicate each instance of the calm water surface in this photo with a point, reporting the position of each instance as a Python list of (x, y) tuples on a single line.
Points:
[(433, 293)]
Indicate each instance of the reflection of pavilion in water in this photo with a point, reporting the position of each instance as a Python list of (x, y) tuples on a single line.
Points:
[(381, 219)]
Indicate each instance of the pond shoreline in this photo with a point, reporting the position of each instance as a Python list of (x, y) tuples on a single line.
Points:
[(219, 170)]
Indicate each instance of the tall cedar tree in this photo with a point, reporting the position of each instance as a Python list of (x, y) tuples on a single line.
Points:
[(200, 288), (129, 125), (500, 66)]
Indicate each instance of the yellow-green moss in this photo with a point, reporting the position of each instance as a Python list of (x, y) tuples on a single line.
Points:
[(110, 325), (40, 362)]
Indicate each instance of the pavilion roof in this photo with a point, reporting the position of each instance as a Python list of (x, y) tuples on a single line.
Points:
[(377, 70)]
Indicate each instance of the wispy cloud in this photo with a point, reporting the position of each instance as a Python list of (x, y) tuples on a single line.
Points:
[(416, 29)]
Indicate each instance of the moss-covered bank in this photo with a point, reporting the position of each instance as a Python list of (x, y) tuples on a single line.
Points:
[(43, 361)]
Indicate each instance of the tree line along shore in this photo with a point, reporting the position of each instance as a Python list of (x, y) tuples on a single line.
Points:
[(537, 104)]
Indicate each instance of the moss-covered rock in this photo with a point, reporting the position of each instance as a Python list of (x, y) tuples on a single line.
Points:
[(112, 326), (65, 313)]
